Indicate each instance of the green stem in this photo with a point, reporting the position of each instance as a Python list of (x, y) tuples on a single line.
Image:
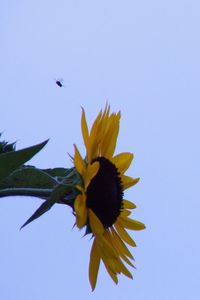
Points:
[(40, 193)]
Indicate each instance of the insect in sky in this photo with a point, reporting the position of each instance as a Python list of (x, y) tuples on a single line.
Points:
[(59, 82)]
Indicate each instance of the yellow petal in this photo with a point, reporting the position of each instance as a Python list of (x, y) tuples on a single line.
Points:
[(112, 274), (94, 139), (124, 234), (104, 124), (121, 244), (119, 250), (130, 224), (127, 260), (123, 269), (107, 250), (110, 138), (84, 127), (107, 253), (114, 255), (94, 265), (117, 265), (128, 181), (125, 213), (95, 223), (91, 173), (95, 125), (81, 210), (79, 162), (105, 247), (128, 204), (106, 112), (122, 161)]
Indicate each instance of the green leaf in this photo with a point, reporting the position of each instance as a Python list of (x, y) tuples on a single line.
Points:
[(6, 147), (57, 172), (28, 177), (56, 196), (10, 161), (62, 175)]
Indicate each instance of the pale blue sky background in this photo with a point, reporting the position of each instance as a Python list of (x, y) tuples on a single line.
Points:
[(144, 58)]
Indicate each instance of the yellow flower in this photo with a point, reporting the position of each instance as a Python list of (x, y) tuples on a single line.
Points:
[(100, 205)]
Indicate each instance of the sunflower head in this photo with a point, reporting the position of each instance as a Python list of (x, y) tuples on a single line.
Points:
[(100, 205)]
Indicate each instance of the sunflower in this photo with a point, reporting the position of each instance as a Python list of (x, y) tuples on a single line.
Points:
[(100, 205)]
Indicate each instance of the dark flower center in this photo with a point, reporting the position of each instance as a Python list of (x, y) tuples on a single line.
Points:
[(104, 193)]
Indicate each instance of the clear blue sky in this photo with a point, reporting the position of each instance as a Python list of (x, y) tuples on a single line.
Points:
[(144, 58)]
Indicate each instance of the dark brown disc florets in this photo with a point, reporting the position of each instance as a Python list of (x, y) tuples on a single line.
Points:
[(104, 193)]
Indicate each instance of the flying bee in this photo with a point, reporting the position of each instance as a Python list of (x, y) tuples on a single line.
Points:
[(59, 82)]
